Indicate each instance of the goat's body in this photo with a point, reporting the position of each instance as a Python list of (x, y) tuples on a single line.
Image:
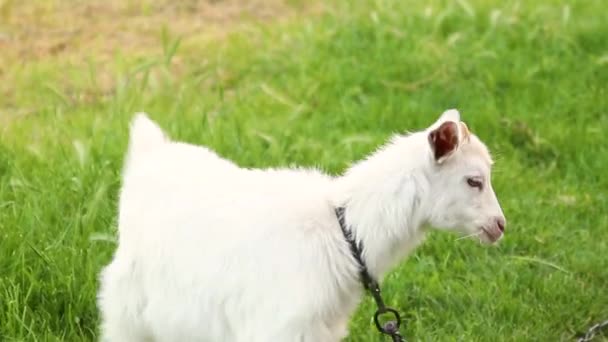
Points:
[(212, 252), (209, 251)]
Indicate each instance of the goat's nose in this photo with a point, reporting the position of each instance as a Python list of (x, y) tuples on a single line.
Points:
[(501, 223)]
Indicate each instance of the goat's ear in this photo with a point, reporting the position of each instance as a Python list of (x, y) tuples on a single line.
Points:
[(449, 115), (444, 140)]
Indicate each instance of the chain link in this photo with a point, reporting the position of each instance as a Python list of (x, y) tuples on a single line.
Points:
[(593, 331)]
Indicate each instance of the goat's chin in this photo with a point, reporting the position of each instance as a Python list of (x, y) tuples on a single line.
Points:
[(485, 236), (489, 236)]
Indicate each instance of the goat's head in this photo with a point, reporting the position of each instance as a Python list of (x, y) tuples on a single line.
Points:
[(461, 193)]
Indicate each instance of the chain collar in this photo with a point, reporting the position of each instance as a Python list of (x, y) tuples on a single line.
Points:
[(383, 312)]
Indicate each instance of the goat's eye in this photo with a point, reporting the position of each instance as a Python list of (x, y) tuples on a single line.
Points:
[(475, 183)]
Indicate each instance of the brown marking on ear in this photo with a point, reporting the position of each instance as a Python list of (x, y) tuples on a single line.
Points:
[(464, 130), (444, 140)]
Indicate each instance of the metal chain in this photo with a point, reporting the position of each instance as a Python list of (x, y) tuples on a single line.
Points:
[(593, 331), (389, 327)]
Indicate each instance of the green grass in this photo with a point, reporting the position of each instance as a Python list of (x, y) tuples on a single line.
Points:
[(323, 90)]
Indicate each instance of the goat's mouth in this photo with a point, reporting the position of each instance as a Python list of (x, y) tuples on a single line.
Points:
[(491, 235)]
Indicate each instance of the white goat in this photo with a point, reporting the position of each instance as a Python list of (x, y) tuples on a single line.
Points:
[(209, 251)]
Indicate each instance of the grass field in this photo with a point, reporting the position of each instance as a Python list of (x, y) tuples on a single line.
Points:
[(318, 84)]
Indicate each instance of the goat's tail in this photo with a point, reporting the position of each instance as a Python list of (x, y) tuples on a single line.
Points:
[(145, 135)]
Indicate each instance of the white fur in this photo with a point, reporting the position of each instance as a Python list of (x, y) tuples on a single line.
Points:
[(209, 251)]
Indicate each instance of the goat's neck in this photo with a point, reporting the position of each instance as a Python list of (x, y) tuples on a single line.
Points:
[(384, 197)]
